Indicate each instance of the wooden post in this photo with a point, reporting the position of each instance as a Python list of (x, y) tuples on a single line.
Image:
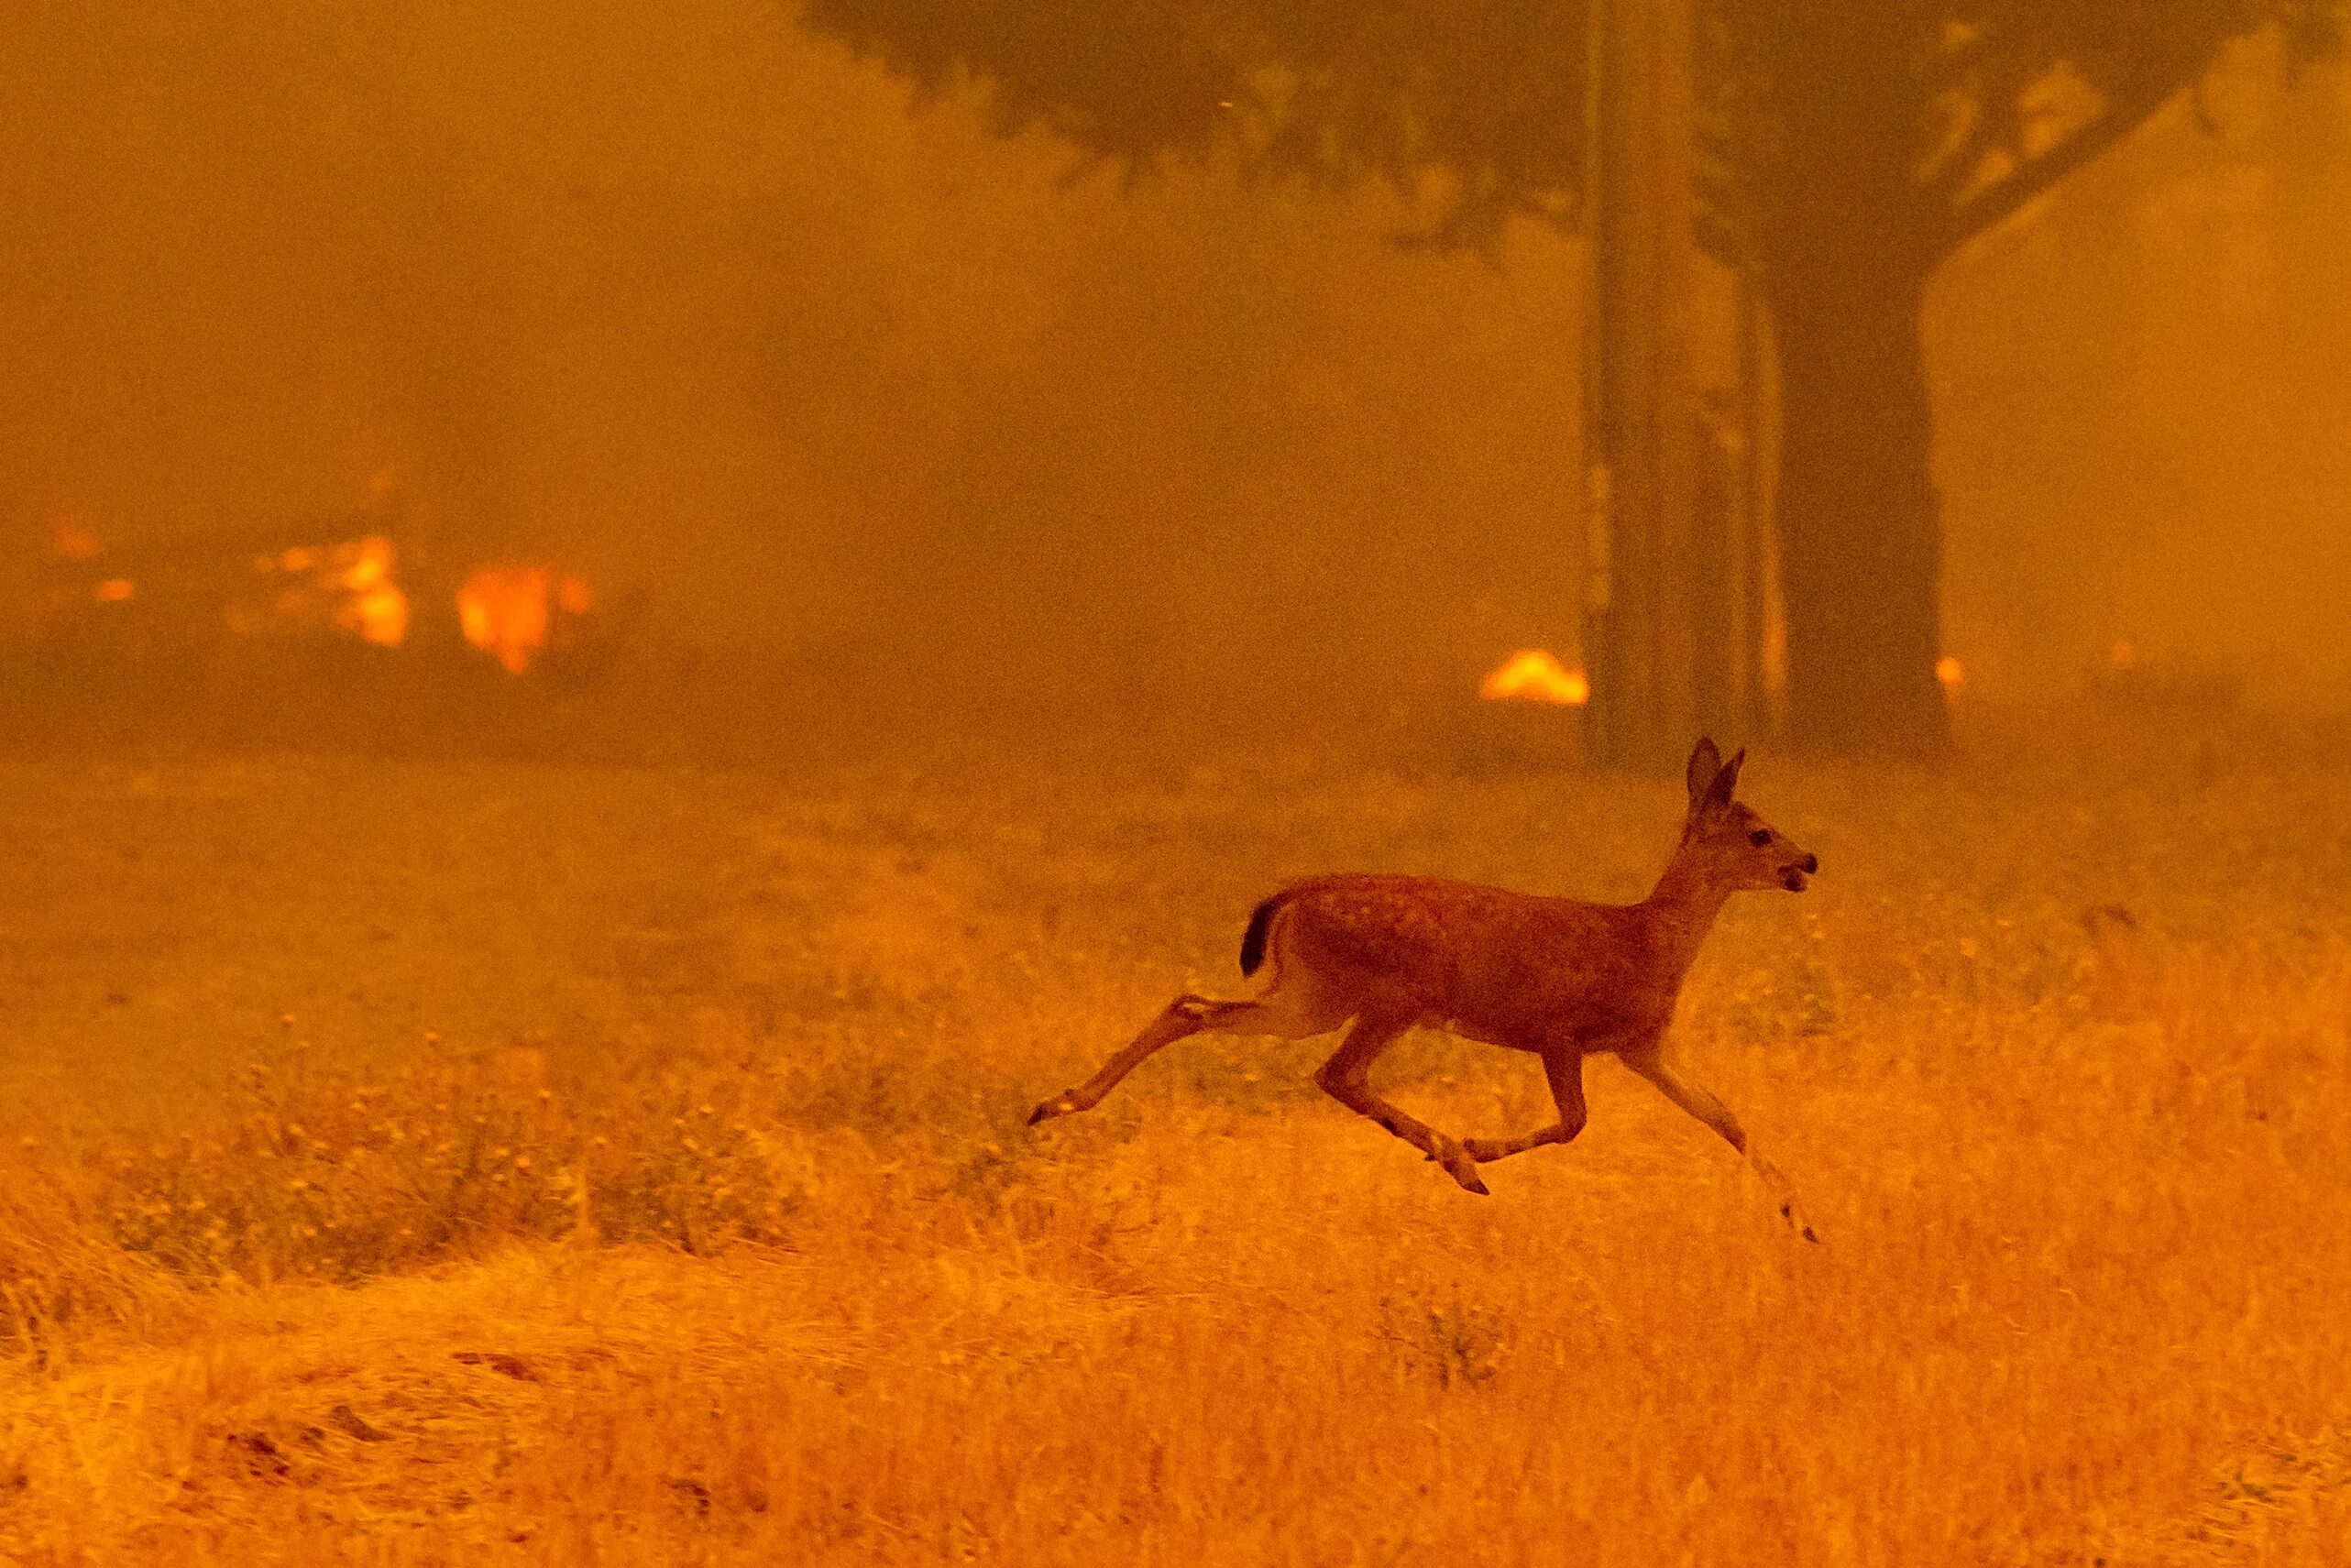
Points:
[(1641, 636)]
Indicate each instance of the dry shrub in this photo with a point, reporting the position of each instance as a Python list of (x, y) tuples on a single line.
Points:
[(316, 1173), (59, 1270)]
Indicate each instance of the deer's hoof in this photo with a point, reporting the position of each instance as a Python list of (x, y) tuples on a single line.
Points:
[(1461, 1168), (1058, 1106)]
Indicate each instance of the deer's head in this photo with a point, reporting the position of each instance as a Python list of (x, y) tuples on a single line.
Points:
[(1734, 847)]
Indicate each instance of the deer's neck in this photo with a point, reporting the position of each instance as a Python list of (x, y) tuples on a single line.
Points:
[(1680, 911)]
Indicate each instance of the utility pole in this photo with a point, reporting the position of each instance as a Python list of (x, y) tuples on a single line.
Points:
[(1757, 557), (1641, 636)]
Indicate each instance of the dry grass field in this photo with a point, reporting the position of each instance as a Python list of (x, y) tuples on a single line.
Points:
[(421, 1162)]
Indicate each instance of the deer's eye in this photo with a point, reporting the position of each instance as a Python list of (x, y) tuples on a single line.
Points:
[(1760, 836)]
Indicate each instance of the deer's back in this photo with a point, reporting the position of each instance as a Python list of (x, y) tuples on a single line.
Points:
[(1514, 969)]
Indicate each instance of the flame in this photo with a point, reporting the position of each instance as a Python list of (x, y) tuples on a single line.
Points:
[(379, 616), (513, 612), (114, 590), (377, 610), (352, 586), (1532, 674), (503, 610), (1950, 673)]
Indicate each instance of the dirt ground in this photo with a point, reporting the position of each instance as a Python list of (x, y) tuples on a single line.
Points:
[(571, 1164)]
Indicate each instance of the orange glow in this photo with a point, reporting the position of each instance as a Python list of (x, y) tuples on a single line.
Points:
[(69, 541), (1532, 674), (114, 590), (572, 597), (1952, 673), (503, 610)]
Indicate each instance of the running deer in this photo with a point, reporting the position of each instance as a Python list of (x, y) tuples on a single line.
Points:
[(1554, 977)]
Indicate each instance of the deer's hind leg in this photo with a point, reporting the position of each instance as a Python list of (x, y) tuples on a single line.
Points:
[(1283, 1015), (1565, 1069), (1343, 1079)]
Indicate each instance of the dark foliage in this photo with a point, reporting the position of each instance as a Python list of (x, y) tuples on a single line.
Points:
[(1965, 108)]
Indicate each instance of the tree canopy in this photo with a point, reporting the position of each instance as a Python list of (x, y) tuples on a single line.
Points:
[(1477, 107)]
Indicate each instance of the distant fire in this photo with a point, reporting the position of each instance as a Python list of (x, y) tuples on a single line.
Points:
[(352, 586), (1951, 673), (1532, 674), (508, 611), (280, 587)]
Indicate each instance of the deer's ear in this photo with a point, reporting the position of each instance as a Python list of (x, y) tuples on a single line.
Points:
[(1704, 763), (1718, 794)]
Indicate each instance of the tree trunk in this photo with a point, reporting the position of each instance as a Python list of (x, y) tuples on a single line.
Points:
[(1860, 523)]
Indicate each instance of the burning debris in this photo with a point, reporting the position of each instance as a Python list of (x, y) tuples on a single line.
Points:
[(1534, 675), (350, 588), (1529, 714), (185, 605)]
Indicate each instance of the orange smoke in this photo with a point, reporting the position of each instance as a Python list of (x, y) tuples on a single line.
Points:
[(1532, 674)]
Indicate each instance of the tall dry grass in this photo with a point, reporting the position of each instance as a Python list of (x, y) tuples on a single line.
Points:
[(790, 1281)]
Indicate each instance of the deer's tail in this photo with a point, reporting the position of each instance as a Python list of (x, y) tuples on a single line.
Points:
[(1253, 940)]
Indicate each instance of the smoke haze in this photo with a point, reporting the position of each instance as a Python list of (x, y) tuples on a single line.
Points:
[(691, 304)]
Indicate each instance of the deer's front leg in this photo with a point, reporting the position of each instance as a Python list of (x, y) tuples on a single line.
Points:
[(1564, 1069), (1342, 1077), (1699, 1101)]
